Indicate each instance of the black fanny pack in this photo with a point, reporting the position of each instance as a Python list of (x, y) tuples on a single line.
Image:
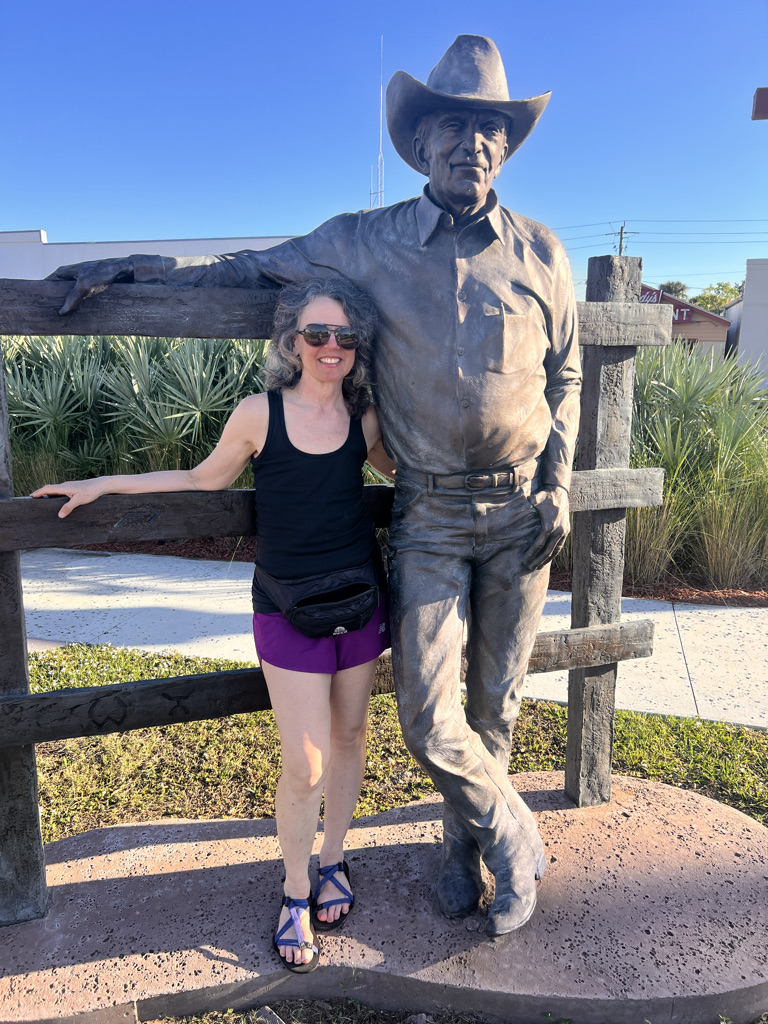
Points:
[(328, 604)]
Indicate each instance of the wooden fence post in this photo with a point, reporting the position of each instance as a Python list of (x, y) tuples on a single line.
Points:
[(23, 891), (598, 537)]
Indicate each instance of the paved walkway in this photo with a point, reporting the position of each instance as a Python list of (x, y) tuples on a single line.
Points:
[(707, 661)]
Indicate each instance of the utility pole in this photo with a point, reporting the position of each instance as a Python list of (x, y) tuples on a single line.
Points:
[(621, 233)]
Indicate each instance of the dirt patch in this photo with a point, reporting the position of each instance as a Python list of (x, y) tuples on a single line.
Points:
[(688, 591)]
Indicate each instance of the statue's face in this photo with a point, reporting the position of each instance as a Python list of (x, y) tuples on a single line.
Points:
[(462, 152)]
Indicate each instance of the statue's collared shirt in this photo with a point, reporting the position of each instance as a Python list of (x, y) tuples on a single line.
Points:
[(477, 362)]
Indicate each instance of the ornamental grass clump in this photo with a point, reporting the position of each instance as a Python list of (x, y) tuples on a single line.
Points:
[(707, 427)]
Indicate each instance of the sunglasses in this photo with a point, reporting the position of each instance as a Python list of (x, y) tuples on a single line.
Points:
[(320, 334)]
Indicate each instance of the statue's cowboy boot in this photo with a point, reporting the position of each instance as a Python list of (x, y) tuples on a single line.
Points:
[(459, 881), (515, 899)]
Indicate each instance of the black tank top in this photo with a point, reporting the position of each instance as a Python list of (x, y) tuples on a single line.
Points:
[(310, 513)]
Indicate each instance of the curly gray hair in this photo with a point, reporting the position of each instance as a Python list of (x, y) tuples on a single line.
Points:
[(283, 366)]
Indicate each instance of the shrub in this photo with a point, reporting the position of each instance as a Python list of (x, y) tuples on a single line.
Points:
[(707, 427), (84, 407)]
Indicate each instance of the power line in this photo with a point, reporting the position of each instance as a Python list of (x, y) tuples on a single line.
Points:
[(653, 241), (706, 273), (713, 241), (635, 220), (704, 232), (678, 237), (575, 248), (575, 227), (578, 238), (730, 220)]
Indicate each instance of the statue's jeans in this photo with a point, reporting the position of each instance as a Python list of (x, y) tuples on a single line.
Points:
[(457, 555)]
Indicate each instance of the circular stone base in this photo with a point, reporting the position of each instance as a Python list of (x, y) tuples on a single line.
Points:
[(654, 907)]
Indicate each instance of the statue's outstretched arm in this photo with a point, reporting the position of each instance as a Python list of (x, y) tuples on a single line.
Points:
[(329, 249)]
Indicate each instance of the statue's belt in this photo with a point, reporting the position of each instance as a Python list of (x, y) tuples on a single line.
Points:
[(480, 480)]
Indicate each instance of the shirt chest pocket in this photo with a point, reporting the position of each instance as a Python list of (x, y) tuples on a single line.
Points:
[(511, 340)]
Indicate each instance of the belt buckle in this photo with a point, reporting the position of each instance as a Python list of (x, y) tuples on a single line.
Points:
[(477, 481)]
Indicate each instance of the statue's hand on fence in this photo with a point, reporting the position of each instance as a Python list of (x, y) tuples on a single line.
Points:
[(91, 278), (552, 507)]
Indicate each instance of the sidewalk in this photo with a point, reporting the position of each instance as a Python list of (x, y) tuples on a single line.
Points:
[(707, 661)]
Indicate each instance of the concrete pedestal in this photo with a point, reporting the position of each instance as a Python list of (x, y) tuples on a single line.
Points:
[(654, 907)]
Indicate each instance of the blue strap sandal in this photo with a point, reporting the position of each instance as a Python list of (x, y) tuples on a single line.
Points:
[(327, 874), (294, 909)]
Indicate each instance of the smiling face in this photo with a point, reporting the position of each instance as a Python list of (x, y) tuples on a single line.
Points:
[(327, 363), (462, 152)]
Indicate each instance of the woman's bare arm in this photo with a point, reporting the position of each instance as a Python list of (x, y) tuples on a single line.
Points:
[(244, 434), (377, 456)]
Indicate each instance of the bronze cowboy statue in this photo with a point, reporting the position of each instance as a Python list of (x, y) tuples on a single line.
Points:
[(477, 386)]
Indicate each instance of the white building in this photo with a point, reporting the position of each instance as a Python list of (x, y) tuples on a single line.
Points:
[(749, 317), (29, 254)]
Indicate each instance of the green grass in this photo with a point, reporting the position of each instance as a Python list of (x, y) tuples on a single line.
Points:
[(228, 767), (320, 1011)]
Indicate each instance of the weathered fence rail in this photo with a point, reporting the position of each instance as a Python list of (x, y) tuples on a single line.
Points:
[(33, 523), (157, 311), (612, 324), (120, 707)]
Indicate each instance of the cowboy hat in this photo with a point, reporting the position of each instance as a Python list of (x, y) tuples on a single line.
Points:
[(470, 74)]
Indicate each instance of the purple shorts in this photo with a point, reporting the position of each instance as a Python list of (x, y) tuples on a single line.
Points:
[(281, 644)]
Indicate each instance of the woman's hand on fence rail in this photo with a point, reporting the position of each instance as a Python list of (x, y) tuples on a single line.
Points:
[(79, 492)]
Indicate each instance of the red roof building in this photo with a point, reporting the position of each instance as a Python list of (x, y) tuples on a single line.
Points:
[(692, 323)]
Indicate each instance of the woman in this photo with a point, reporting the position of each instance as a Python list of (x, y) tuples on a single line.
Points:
[(306, 438)]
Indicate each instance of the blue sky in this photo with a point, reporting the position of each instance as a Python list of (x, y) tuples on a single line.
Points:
[(170, 119)]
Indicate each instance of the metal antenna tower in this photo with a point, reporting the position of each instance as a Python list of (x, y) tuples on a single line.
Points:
[(377, 196)]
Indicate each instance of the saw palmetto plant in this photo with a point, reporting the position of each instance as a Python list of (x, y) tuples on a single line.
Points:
[(90, 406)]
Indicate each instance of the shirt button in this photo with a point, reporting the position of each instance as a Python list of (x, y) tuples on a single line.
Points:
[(465, 403), (462, 296), (461, 351)]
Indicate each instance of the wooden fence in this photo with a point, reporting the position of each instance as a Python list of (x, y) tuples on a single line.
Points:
[(612, 323)]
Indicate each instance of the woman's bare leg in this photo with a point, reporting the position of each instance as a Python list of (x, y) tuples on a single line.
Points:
[(302, 705), (350, 696)]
